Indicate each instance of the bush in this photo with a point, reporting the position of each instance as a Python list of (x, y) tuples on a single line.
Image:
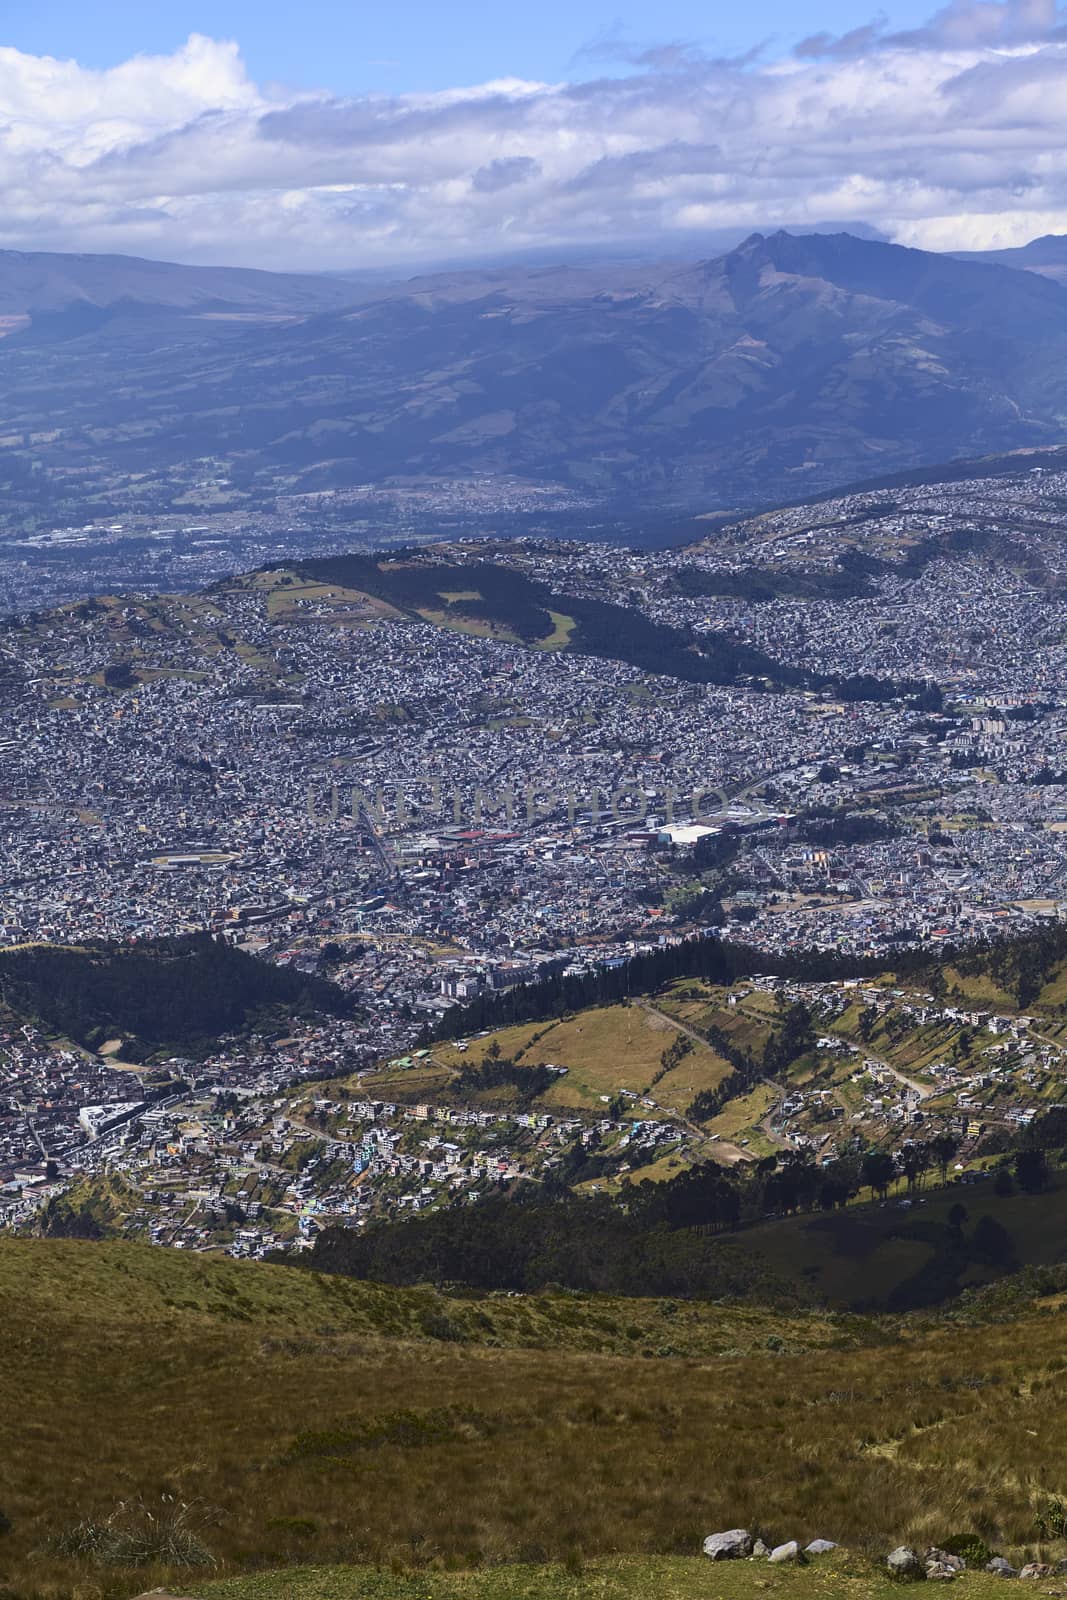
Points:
[(439, 1325), (294, 1527), (139, 1535), (1050, 1517), (970, 1547)]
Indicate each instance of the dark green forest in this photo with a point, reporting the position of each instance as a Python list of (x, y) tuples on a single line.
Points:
[(682, 1237), (1021, 965), (180, 992)]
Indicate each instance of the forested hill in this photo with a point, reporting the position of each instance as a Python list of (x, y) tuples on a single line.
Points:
[(1020, 966), (180, 992), (498, 599)]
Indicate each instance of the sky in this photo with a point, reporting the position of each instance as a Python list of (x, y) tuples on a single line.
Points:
[(326, 135), (355, 46)]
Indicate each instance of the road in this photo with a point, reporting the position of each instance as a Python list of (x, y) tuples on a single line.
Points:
[(731, 1153), (924, 1090)]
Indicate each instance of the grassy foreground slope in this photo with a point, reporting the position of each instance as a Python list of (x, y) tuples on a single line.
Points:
[(317, 1422), (839, 1577)]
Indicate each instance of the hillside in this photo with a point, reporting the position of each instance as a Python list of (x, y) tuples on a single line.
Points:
[(500, 602), (789, 365), (810, 1139), (180, 992), (310, 1421), (38, 284), (1046, 256), (670, 1239)]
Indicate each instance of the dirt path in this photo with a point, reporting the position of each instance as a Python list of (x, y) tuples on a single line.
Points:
[(730, 1153)]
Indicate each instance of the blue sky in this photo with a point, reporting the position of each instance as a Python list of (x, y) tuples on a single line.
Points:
[(349, 46), (411, 133)]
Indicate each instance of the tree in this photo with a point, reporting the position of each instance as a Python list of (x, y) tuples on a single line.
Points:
[(992, 1243), (1031, 1171), (943, 1146), (1004, 1184), (794, 1039), (914, 1159), (877, 1171), (956, 1218)]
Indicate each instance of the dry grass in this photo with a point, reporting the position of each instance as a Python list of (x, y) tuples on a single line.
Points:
[(605, 1049), (324, 1422), (839, 1577)]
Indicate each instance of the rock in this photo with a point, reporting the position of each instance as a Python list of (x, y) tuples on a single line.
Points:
[(940, 1572), (785, 1552), (905, 1564), (759, 1549), (733, 1545), (941, 1558), (1001, 1568), (1061, 1569), (819, 1547), (1037, 1569)]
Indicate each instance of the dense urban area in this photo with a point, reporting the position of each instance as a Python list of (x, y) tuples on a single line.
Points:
[(429, 804)]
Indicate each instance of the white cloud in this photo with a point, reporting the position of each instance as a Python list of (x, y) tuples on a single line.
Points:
[(951, 135)]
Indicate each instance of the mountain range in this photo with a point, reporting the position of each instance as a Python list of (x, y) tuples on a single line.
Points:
[(35, 283), (1047, 256), (789, 365)]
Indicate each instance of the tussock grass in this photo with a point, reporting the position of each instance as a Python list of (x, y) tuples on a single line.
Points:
[(324, 1428), (838, 1577)]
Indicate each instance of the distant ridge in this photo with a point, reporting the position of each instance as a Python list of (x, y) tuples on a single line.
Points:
[(43, 281), (1046, 256), (788, 366)]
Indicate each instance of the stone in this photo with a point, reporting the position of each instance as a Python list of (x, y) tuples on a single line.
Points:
[(759, 1549), (941, 1558), (1036, 1569), (1001, 1568), (733, 1545), (1061, 1569), (785, 1552), (819, 1547), (905, 1564), (940, 1572)]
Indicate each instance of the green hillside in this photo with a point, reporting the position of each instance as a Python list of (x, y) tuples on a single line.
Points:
[(316, 1423), (181, 992)]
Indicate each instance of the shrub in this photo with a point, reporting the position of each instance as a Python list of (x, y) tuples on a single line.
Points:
[(295, 1527), (970, 1547), (439, 1325), (1050, 1517), (138, 1534)]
